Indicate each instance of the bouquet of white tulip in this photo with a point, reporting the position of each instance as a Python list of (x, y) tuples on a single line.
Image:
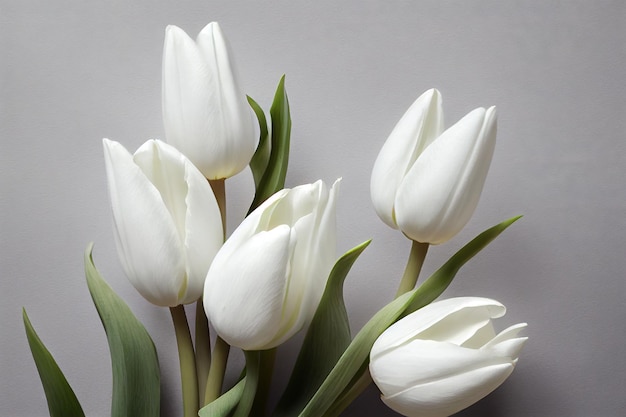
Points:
[(278, 273)]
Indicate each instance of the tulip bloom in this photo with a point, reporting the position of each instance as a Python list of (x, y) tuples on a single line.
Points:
[(167, 221), (267, 280), (205, 114), (427, 183), (444, 357)]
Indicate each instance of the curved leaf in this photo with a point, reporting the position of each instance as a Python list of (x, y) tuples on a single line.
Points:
[(261, 156), (273, 178), (62, 401), (325, 341), (226, 403), (136, 377)]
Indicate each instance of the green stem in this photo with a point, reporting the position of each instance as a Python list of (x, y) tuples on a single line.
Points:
[(189, 380), (253, 368), (266, 371), (217, 371), (413, 267), (219, 190), (203, 349)]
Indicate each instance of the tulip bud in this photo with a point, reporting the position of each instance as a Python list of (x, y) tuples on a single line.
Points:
[(205, 114), (266, 282), (167, 222), (428, 183), (444, 357)]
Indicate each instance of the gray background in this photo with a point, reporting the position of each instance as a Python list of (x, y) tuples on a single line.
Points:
[(75, 72)]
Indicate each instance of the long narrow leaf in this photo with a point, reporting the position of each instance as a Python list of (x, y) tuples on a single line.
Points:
[(274, 176), (62, 401), (325, 341), (136, 378), (226, 403), (357, 354), (261, 157)]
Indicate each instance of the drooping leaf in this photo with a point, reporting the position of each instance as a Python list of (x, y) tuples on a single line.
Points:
[(136, 377), (261, 156), (226, 403), (326, 340), (357, 353), (62, 401), (273, 178)]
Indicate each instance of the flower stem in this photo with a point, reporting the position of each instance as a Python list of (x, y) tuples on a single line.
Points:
[(203, 349), (217, 371), (413, 267), (219, 189), (253, 365), (266, 370), (187, 361)]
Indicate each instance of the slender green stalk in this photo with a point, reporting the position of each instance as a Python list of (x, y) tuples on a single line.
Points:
[(413, 267), (217, 371), (253, 359), (203, 349), (189, 379), (266, 370), (219, 189)]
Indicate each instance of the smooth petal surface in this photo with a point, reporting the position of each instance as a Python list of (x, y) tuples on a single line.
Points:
[(274, 268), (447, 396), (441, 190), (444, 357), (417, 128), (244, 292), (148, 242), (186, 90), (205, 114)]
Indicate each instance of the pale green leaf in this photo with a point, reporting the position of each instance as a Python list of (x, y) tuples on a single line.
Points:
[(273, 178), (326, 339), (226, 403), (136, 378), (62, 401), (261, 157)]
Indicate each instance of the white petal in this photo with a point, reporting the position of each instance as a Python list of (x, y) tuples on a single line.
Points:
[(424, 361), (447, 396), (439, 194), (232, 139), (204, 234), (185, 96), (244, 292), (417, 128), (148, 243), (419, 322)]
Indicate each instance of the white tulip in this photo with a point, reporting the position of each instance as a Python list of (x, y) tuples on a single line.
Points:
[(167, 222), (267, 280), (426, 181), (444, 357), (205, 114)]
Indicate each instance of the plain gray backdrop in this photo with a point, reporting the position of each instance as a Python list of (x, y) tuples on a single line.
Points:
[(73, 72)]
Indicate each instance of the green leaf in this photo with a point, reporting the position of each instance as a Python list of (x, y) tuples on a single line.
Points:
[(226, 403), (273, 178), (439, 281), (62, 401), (261, 156), (357, 354), (325, 341), (136, 378)]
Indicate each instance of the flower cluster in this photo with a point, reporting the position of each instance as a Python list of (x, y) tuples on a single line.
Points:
[(278, 272)]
